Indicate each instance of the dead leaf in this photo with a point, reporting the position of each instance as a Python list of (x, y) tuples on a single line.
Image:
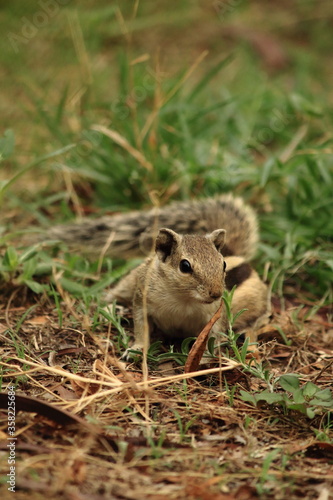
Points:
[(86, 388), (52, 358), (320, 450), (38, 320), (66, 394), (34, 405), (201, 490), (317, 450), (272, 332), (198, 348)]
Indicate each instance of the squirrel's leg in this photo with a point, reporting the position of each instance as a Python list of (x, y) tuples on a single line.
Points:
[(142, 325)]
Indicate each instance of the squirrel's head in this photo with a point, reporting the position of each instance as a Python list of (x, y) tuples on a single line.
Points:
[(192, 265)]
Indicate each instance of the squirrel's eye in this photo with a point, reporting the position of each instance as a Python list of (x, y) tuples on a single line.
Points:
[(185, 266), (224, 266)]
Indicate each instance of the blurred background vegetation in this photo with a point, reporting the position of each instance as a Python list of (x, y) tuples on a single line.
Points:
[(116, 105)]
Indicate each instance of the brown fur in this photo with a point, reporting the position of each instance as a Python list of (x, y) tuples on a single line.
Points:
[(133, 234), (177, 303), (180, 305)]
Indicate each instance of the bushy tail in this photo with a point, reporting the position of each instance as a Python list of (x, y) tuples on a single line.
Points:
[(124, 234)]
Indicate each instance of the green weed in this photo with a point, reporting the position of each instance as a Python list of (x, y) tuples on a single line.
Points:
[(227, 122), (308, 399), (265, 478)]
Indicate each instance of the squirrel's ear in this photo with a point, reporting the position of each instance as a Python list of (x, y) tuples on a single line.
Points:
[(166, 241), (217, 237)]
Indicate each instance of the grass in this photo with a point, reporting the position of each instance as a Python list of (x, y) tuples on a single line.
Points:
[(116, 123)]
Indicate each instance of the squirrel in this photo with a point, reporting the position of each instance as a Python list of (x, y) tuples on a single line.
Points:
[(199, 249)]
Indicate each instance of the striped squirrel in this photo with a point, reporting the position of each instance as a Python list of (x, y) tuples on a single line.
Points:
[(182, 281)]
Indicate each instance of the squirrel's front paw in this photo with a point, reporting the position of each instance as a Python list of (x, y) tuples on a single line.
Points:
[(132, 352)]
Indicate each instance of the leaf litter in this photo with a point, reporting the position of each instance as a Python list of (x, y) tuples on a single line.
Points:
[(93, 429)]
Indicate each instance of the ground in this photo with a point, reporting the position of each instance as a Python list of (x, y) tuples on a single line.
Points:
[(122, 106)]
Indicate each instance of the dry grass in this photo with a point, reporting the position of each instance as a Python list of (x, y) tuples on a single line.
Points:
[(165, 437), (169, 435)]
